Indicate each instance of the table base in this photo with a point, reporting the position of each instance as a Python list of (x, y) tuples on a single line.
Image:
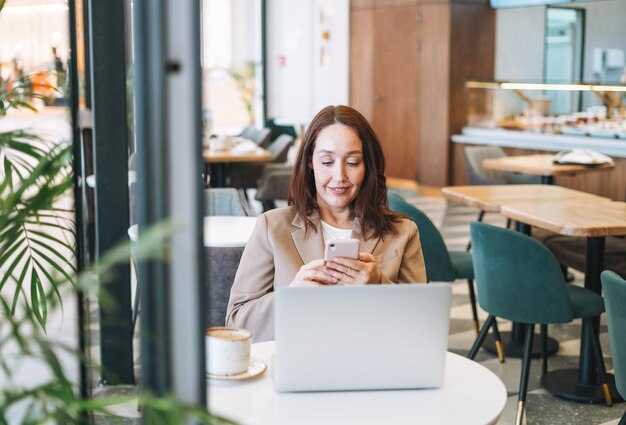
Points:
[(564, 384), (516, 349)]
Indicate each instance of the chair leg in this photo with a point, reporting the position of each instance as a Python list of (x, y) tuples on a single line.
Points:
[(472, 295), (597, 353), (523, 385), (481, 215), (481, 337), (496, 337), (623, 420), (544, 349)]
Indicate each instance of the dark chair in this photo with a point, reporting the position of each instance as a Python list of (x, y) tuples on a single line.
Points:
[(442, 265), (245, 176), (614, 288), (260, 136), (518, 279), (220, 269), (277, 130), (274, 185), (224, 201), (571, 251)]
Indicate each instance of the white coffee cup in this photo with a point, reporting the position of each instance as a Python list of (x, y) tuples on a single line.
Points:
[(228, 350), (221, 143)]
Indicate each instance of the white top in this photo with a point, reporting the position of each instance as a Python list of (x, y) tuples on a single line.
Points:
[(219, 231), (471, 394), (329, 232)]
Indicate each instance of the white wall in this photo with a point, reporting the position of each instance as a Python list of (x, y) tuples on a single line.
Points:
[(298, 84), (606, 28), (519, 43), (520, 33)]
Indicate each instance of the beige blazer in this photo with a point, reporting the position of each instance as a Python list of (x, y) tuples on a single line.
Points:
[(280, 245)]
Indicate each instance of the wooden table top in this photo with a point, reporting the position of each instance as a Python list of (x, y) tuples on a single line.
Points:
[(242, 152), (571, 218), (540, 165), (491, 197)]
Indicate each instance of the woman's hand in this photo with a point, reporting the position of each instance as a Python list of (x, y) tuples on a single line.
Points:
[(354, 272), (313, 274)]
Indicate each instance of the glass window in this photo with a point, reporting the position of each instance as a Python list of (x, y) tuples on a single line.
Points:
[(232, 63)]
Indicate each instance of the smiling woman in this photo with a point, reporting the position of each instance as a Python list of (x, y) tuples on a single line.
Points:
[(337, 190)]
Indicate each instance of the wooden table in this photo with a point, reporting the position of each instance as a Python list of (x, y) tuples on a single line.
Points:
[(245, 151), (491, 198), (541, 165), (595, 221), (471, 394)]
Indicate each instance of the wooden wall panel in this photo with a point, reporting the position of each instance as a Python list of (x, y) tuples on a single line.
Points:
[(472, 57), (359, 4), (395, 86), (434, 95), (361, 89), (395, 3)]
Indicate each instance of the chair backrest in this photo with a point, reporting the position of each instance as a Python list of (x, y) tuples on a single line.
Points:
[(260, 136), (518, 279), (278, 129), (614, 288), (274, 183), (224, 201), (220, 268), (436, 257), (476, 173), (280, 147)]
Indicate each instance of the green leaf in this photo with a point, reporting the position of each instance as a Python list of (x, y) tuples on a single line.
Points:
[(18, 287), (38, 299)]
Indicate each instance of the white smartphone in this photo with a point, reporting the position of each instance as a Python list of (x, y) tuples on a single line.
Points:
[(348, 248)]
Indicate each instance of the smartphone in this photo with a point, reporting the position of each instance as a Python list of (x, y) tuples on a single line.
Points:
[(348, 248)]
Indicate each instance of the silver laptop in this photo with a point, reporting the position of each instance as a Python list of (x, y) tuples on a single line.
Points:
[(361, 338)]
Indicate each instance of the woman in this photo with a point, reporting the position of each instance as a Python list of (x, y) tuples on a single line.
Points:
[(337, 191)]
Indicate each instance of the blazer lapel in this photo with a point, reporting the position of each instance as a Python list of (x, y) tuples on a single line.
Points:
[(309, 244), (367, 245)]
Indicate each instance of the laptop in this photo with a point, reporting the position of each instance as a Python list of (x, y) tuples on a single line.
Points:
[(361, 338)]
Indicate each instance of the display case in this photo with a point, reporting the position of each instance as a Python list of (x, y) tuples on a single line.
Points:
[(584, 109)]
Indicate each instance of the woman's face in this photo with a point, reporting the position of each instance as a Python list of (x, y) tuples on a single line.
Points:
[(338, 167)]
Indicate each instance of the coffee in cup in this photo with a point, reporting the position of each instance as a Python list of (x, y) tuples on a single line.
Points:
[(228, 350)]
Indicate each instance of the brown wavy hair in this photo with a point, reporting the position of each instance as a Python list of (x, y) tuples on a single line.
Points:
[(370, 203)]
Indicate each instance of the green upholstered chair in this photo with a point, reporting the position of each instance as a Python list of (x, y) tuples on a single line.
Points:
[(442, 265), (614, 288), (518, 279)]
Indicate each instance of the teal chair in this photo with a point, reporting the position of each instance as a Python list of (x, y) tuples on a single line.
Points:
[(442, 265), (614, 288), (520, 280)]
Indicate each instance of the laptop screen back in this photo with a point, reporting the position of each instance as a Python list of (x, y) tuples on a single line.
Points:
[(360, 338)]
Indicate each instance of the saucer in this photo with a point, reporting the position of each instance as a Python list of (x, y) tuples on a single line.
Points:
[(256, 368)]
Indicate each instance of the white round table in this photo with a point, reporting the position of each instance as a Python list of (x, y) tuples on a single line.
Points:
[(471, 394), (219, 231), (223, 231)]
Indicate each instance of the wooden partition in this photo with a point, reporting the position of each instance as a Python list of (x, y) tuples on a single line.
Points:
[(409, 60)]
